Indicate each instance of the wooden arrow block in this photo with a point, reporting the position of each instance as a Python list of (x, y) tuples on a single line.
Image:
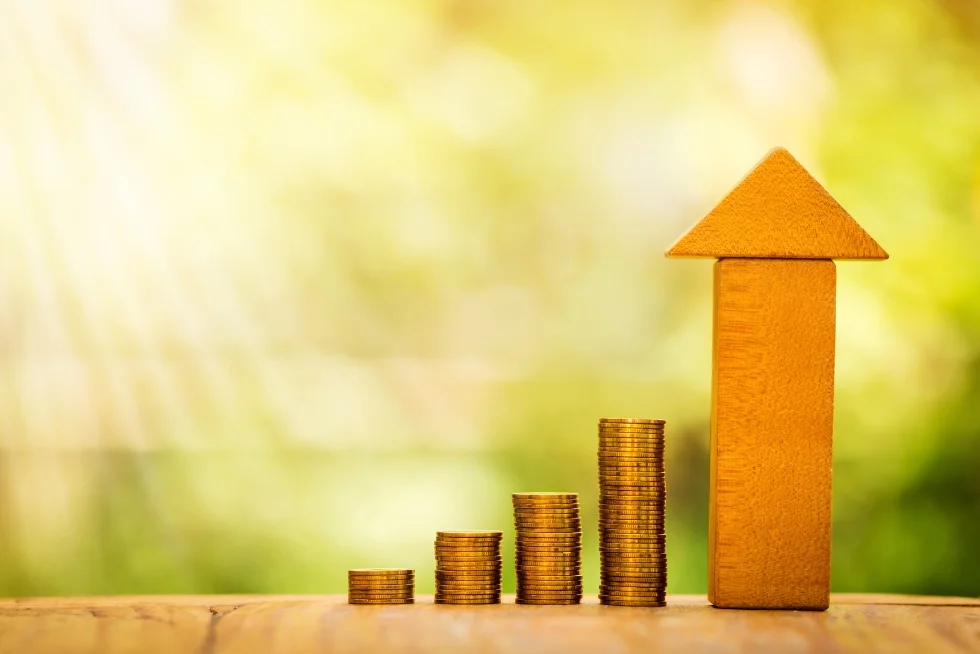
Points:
[(771, 433)]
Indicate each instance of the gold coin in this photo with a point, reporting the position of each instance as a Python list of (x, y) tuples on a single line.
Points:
[(650, 568), (641, 583), (570, 598), (635, 462), (659, 596), (378, 602), (469, 566), (649, 527), (359, 587), (634, 603), (467, 590), (458, 549), (617, 485), (381, 591), (642, 452), (379, 598), (624, 451), (528, 590), (462, 596), (632, 421), (638, 565), (548, 560), (627, 480), (633, 537), (651, 494), (459, 591), (471, 533), (619, 464), (629, 510), (614, 482), (468, 556), (612, 544), (614, 439), (557, 553), (627, 554), (544, 578), (544, 496), (631, 461), (532, 570), (623, 427), (637, 550), (650, 586), (469, 602), (622, 561), (641, 475)]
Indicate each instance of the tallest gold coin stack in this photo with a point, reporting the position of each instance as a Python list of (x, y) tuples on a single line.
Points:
[(632, 503)]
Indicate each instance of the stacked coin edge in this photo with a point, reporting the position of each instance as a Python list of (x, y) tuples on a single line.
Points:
[(381, 586), (632, 505), (548, 555), (468, 567)]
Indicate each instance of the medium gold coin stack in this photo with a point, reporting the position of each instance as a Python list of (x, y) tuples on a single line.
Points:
[(381, 586), (632, 503), (468, 567), (549, 548)]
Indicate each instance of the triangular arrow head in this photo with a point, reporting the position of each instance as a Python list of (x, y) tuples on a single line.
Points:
[(778, 211)]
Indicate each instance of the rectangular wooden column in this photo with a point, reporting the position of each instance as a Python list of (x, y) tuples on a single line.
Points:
[(771, 433)]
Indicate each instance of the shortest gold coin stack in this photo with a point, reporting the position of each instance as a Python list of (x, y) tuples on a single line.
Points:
[(549, 548), (381, 586), (468, 567)]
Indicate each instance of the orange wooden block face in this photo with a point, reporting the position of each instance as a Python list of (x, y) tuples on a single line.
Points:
[(778, 211), (771, 433)]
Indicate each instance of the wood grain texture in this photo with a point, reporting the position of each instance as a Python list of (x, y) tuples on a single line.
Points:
[(771, 434), (778, 211), (313, 624)]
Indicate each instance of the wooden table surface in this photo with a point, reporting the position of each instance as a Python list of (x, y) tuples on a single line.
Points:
[(298, 624)]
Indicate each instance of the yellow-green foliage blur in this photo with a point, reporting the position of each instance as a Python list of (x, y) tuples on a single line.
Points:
[(285, 287)]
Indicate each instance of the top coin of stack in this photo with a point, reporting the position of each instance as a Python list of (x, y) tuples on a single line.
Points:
[(381, 586), (468, 567), (632, 504), (549, 548)]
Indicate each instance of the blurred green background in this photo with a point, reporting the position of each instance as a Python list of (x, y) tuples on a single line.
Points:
[(285, 287)]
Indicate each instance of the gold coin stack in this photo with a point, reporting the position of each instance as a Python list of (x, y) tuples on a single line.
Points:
[(381, 586), (632, 503), (468, 567), (549, 548)]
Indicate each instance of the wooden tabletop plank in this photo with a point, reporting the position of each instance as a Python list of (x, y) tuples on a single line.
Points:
[(302, 623)]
